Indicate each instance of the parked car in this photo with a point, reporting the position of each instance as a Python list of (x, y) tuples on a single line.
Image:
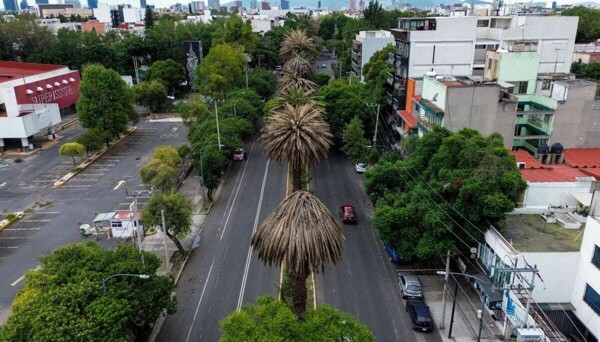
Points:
[(361, 167), (348, 214), (239, 154), (410, 286), (419, 314)]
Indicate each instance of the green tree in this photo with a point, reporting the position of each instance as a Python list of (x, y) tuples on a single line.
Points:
[(355, 143), (222, 68), (263, 82), (272, 320), (72, 150), (63, 300), (105, 101), (149, 17), (167, 154), (152, 94), (373, 14), (234, 31), (450, 189), (178, 215), (591, 70), (21, 38), (93, 140), (171, 73), (588, 29), (267, 50), (377, 64), (322, 79)]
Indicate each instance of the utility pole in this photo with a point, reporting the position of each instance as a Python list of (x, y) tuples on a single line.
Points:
[(376, 126), (259, 57), (202, 180), (246, 70), (164, 228), (217, 116), (530, 286), (135, 66), (136, 224), (445, 293), (453, 308)]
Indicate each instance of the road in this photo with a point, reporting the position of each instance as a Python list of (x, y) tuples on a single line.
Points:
[(224, 272), (363, 283), (55, 219)]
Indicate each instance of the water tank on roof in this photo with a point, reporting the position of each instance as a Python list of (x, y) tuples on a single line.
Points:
[(543, 148), (557, 148)]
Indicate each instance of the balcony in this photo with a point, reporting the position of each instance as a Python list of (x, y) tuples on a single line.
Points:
[(391, 58), (390, 79), (536, 104)]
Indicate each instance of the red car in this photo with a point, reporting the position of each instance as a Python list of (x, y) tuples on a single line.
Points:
[(348, 214), (239, 154)]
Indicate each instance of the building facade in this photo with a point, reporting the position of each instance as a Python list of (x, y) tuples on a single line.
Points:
[(285, 4), (365, 44), (214, 5), (11, 5)]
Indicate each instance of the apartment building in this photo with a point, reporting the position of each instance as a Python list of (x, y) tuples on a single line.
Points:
[(366, 43)]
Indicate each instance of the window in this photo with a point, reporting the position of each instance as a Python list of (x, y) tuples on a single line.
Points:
[(592, 298), (490, 61), (483, 23), (596, 257), (521, 87), (546, 84)]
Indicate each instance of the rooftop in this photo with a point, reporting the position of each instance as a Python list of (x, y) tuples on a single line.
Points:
[(12, 70), (583, 157), (528, 234), (579, 163)]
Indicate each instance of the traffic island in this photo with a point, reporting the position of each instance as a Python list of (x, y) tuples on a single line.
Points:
[(10, 218), (91, 159)]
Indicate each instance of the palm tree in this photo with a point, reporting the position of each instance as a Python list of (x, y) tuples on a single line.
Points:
[(302, 234), (296, 96), (298, 44), (298, 134)]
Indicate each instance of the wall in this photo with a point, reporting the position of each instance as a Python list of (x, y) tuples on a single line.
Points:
[(474, 107), (577, 120), (587, 273), (544, 194), (519, 67), (558, 271), (102, 13), (372, 45), (42, 117), (431, 87)]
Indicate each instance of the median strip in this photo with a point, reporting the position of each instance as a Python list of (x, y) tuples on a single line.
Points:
[(10, 219)]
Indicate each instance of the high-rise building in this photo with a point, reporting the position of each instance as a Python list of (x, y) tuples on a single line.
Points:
[(253, 4), (41, 2), (75, 3), (142, 3), (214, 4), (92, 3), (265, 6), (285, 4), (319, 4), (11, 6), (24, 4)]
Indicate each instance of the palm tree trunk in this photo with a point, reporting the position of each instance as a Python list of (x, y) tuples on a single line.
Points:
[(176, 242), (297, 178), (299, 294)]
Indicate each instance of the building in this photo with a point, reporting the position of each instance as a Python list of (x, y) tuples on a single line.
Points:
[(143, 4), (92, 4), (285, 4), (54, 25), (11, 6), (75, 3), (214, 5), (95, 26), (365, 44), (24, 5), (263, 23), (196, 6), (40, 2), (264, 6), (253, 4), (67, 10), (102, 13), (32, 97)]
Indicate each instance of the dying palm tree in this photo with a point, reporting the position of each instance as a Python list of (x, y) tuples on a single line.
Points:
[(296, 96), (298, 44), (288, 80), (302, 234), (298, 134)]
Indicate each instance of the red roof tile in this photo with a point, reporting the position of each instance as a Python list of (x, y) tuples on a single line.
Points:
[(10, 70), (553, 173), (408, 118), (583, 157), (528, 159)]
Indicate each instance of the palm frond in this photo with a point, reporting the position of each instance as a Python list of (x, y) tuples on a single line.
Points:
[(302, 232), (298, 43)]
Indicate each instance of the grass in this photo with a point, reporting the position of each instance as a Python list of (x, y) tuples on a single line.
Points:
[(76, 170), (11, 217), (529, 234)]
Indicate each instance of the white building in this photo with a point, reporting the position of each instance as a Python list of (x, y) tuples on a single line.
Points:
[(54, 24), (366, 43), (133, 15), (31, 99), (262, 23), (102, 13)]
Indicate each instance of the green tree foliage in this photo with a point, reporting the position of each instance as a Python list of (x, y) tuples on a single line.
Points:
[(244, 103), (267, 50), (234, 31), (423, 203), (330, 25), (377, 64), (591, 70), (93, 140), (193, 112), (373, 14), (105, 101), (344, 101), (355, 143), (222, 69), (161, 171), (72, 150), (22, 38), (272, 320), (178, 215), (588, 29), (64, 300), (169, 72), (151, 94), (149, 18), (322, 79), (302, 22), (167, 155), (263, 82)]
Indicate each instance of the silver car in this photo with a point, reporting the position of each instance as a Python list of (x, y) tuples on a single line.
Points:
[(410, 286), (361, 167)]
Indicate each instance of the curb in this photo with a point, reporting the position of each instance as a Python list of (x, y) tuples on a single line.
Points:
[(6, 223), (91, 160), (67, 124)]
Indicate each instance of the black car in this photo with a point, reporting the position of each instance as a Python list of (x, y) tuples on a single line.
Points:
[(419, 314)]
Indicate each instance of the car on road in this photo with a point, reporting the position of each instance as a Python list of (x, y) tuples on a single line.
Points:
[(419, 314), (410, 286), (240, 154), (348, 214), (361, 168)]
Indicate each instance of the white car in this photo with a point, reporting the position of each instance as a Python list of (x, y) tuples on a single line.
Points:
[(361, 167)]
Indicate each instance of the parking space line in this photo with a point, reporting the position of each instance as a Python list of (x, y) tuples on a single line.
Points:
[(14, 237), (9, 247), (84, 180), (36, 220), (34, 187), (77, 186), (20, 229), (47, 212)]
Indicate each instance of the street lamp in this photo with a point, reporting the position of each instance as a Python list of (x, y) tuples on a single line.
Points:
[(246, 71), (454, 303), (141, 276)]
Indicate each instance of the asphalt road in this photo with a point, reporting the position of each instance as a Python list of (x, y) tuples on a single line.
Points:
[(364, 282), (58, 212), (224, 272)]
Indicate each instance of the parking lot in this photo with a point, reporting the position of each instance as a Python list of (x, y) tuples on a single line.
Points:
[(16, 234)]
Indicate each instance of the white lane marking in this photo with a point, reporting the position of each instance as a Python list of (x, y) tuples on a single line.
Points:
[(3, 184), (77, 186), (9, 247), (15, 237), (250, 249), (22, 277), (47, 212), (121, 182), (34, 187), (200, 301), (36, 220), (235, 197), (20, 229)]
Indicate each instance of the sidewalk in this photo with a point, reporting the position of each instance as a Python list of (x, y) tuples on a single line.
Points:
[(466, 323)]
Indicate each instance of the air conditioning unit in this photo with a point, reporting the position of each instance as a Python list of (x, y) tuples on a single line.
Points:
[(521, 165), (530, 335)]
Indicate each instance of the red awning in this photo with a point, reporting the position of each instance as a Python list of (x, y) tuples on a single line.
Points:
[(408, 118)]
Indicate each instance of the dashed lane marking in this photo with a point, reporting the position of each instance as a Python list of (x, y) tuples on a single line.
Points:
[(47, 212), (3, 184), (20, 229), (36, 220), (14, 237)]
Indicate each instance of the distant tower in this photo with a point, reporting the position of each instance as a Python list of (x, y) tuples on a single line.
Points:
[(361, 5), (319, 4), (24, 5), (285, 4), (253, 4), (11, 6), (142, 3), (352, 5), (554, 5), (92, 3)]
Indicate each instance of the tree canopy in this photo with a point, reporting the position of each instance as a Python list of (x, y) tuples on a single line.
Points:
[(272, 320), (588, 29), (355, 143), (235, 31), (222, 68), (72, 149), (178, 214), (64, 299), (169, 72), (152, 94), (449, 190)]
